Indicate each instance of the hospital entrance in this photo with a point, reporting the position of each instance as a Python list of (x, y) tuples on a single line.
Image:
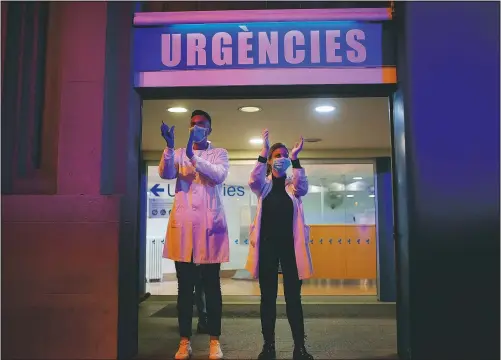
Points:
[(343, 139), (321, 77)]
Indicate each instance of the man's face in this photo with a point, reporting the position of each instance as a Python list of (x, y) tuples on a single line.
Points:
[(200, 120)]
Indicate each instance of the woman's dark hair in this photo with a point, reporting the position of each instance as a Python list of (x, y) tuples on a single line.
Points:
[(270, 153)]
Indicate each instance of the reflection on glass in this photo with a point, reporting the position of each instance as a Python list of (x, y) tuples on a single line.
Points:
[(340, 209)]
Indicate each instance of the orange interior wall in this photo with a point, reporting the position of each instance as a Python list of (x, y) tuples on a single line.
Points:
[(343, 251)]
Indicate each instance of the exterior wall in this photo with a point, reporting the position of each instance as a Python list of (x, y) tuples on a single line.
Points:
[(446, 143), (60, 236), (69, 307)]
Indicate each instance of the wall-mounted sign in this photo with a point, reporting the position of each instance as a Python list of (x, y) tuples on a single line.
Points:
[(168, 189), (319, 44), (159, 207)]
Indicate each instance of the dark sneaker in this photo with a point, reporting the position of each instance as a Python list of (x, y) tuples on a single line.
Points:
[(268, 352), (300, 353)]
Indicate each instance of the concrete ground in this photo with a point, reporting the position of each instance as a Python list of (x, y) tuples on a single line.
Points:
[(329, 337)]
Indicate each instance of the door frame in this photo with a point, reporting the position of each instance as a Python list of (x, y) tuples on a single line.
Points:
[(128, 298)]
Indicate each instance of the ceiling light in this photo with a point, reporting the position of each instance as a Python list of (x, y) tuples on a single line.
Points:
[(249, 109), (350, 195), (372, 195), (312, 140), (256, 141), (177, 110), (325, 109), (357, 178)]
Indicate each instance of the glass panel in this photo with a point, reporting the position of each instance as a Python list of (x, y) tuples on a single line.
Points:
[(340, 209)]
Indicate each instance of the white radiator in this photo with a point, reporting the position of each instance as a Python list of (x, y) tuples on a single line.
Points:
[(154, 250)]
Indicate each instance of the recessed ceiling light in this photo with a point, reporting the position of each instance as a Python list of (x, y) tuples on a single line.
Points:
[(357, 178), (350, 195), (312, 140), (256, 141), (177, 110), (372, 195), (325, 109), (249, 109)]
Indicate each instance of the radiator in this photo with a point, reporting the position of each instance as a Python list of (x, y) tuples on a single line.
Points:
[(154, 250)]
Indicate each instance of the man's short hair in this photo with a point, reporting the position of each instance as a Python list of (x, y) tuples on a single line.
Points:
[(202, 113)]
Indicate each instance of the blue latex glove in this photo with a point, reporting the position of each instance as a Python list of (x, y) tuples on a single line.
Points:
[(189, 146), (168, 135)]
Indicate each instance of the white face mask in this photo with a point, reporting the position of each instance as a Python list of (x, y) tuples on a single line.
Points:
[(281, 165), (199, 133)]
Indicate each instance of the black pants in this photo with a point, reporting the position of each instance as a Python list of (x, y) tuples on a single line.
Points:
[(271, 252), (187, 274), (200, 295)]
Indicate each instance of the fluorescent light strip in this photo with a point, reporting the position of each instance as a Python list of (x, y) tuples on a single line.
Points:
[(177, 110), (256, 141)]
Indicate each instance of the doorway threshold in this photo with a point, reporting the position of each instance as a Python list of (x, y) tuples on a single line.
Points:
[(313, 307), (306, 299)]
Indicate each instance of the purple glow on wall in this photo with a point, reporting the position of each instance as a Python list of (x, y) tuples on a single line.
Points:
[(205, 17)]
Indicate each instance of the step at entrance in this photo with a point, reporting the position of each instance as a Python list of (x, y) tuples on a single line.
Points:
[(310, 310)]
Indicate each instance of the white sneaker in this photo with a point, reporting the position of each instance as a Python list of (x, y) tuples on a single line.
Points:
[(215, 351), (184, 351)]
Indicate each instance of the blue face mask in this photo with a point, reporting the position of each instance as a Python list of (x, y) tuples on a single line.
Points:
[(199, 133), (281, 165)]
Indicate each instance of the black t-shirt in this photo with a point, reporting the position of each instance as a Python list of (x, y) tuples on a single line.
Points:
[(278, 210)]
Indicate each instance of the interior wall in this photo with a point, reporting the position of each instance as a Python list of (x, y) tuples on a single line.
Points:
[(153, 157)]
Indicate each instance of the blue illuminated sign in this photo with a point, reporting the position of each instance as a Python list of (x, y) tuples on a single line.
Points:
[(156, 189), (324, 44), (170, 190)]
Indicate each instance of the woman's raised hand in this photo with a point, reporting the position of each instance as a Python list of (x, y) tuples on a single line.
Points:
[(297, 149), (266, 140), (266, 144)]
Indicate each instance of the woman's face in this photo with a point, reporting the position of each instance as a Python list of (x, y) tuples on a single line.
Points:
[(277, 154)]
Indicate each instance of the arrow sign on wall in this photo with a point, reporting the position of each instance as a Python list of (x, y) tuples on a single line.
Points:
[(156, 189)]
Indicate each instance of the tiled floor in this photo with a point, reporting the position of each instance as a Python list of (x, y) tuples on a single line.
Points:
[(251, 287)]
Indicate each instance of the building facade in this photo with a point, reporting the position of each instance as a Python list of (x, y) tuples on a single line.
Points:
[(71, 160)]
